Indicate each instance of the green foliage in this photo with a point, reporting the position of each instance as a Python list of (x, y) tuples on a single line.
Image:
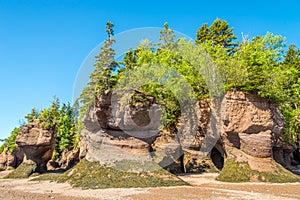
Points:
[(260, 57), (48, 117), (62, 120), (218, 33), (290, 94), (233, 73), (10, 143), (292, 127), (166, 75), (254, 66), (102, 78), (66, 131), (32, 116), (167, 38), (130, 60), (260, 65)]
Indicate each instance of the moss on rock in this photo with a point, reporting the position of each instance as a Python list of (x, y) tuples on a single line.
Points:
[(23, 171), (234, 171), (93, 175), (280, 175)]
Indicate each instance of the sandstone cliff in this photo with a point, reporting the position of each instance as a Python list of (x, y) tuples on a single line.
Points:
[(244, 129), (249, 131), (114, 132), (36, 143)]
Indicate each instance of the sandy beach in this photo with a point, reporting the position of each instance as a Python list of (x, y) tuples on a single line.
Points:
[(202, 187)]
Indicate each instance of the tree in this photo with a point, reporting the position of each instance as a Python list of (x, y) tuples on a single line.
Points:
[(290, 105), (220, 33), (261, 57), (292, 58), (67, 133), (130, 59), (100, 78), (232, 73), (48, 117), (105, 63), (9, 144), (32, 116), (62, 120), (166, 38), (165, 75)]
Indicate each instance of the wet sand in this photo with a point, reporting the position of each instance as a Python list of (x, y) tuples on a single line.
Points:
[(203, 187)]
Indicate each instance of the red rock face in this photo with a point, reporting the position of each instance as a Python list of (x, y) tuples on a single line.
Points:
[(13, 159), (113, 131), (36, 143), (251, 123), (112, 114)]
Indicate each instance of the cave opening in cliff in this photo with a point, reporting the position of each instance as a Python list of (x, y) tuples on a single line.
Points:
[(217, 158)]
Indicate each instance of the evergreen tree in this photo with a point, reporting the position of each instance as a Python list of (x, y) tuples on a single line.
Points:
[(105, 63), (9, 144), (166, 38), (130, 59), (220, 33), (32, 116), (203, 34), (292, 58), (100, 79)]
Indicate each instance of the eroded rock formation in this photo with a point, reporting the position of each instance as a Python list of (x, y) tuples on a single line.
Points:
[(36, 143), (11, 160), (251, 124), (113, 130), (251, 132), (249, 129)]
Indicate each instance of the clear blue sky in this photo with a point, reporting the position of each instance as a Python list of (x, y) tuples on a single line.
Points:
[(43, 42)]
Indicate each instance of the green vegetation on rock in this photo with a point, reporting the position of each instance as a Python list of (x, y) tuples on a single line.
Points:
[(47, 177), (23, 171), (234, 171), (92, 175), (280, 175), (10, 143), (261, 65), (61, 119)]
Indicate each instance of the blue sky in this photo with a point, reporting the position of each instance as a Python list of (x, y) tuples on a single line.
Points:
[(44, 42)]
